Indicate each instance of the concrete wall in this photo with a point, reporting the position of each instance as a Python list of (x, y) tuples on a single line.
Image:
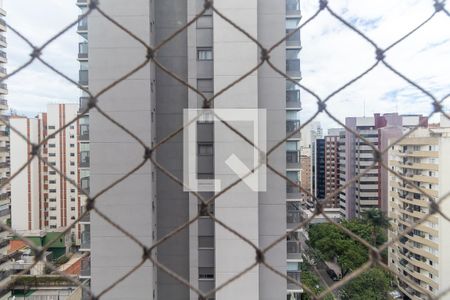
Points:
[(113, 53)]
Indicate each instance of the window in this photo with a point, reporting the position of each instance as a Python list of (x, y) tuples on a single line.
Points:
[(52, 154), (72, 145), (204, 54), (51, 127), (292, 5), (72, 199), (53, 226), (72, 217), (52, 191), (52, 199), (205, 273), (72, 190), (72, 163), (52, 208), (52, 217), (205, 149), (72, 173), (72, 154), (72, 127), (52, 172), (52, 182), (51, 145), (72, 208)]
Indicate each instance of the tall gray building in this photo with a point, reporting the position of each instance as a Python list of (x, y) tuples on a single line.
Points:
[(210, 54)]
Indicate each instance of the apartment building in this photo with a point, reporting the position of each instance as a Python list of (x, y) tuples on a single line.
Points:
[(420, 256), (331, 168), (40, 197), (4, 136), (355, 156), (209, 55), (83, 139)]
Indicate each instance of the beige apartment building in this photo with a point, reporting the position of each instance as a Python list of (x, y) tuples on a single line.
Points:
[(41, 198), (421, 257)]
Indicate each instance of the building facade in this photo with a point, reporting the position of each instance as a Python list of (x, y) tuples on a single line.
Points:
[(83, 139), (332, 169), (5, 198), (209, 55), (41, 198), (420, 256), (369, 190)]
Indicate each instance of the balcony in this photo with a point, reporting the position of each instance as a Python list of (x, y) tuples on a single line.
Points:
[(292, 191), (292, 8), (3, 42), (292, 159), (293, 67), (83, 77), (82, 3), (86, 239), (83, 51), (293, 99), (294, 39), (295, 275), (3, 56), (3, 88), (82, 24), (85, 270), (2, 25), (84, 101), (84, 132), (2, 71), (3, 104), (294, 250), (291, 127), (86, 218), (294, 218), (85, 159)]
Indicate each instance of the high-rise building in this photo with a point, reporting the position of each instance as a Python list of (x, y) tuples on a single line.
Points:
[(355, 155), (319, 168), (420, 256), (41, 198), (4, 136), (209, 55), (332, 168), (83, 139)]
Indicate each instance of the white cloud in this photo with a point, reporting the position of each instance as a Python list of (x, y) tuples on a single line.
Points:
[(32, 88), (333, 54)]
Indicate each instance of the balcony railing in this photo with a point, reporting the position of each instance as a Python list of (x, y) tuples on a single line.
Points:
[(85, 240), (2, 38), (292, 191), (84, 163), (293, 99), (294, 250), (293, 159), (85, 266), (3, 86), (291, 126), (2, 70), (83, 50), (293, 39), (295, 276), (84, 77), (292, 7), (82, 24), (2, 22), (82, 2), (293, 67), (3, 54)]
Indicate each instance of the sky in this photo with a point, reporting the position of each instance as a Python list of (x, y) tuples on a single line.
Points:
[(331, 55)]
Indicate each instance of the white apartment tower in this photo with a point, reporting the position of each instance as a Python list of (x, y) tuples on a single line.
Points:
[(209, 55), (421, 256), (40, 197)]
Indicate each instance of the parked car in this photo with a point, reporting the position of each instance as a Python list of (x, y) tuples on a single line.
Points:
[(332, 274)]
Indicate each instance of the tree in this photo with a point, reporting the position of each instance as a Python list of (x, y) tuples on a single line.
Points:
[(378, 220), (373, 284)]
